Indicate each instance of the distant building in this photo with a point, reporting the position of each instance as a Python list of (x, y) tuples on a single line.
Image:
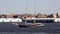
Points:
[(42, 15), (58, 15), (3, 16), (50, 16)]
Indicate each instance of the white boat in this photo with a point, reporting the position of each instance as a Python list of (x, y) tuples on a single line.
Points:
[(10, 20), (39, 21), (14, 21)]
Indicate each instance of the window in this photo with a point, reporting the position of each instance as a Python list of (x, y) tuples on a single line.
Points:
[(44, 21), (2, 20), (17, 20), (38, 21), (10, 20), (30, 21)]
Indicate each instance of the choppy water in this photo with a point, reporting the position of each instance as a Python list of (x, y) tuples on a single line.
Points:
[(49, 28)]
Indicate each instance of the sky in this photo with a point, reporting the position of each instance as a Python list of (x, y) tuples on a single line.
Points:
[(19, 6)]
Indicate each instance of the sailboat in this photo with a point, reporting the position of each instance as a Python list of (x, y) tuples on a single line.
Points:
[(39, 21)]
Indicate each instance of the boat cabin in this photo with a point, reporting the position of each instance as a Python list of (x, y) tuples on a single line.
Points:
[(39, 20)]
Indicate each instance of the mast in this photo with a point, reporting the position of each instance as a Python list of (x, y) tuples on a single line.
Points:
[(34, 10), (26, 9), (35, 7)]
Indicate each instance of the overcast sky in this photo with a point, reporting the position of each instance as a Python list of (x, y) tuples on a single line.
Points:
[(18, 6)]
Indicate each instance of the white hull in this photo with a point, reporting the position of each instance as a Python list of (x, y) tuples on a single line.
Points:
[(10, 20)]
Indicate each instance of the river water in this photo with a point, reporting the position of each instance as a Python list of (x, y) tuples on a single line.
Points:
[(49, 28)]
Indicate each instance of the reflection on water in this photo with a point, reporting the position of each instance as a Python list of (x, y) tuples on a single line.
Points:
[(49, 28)]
